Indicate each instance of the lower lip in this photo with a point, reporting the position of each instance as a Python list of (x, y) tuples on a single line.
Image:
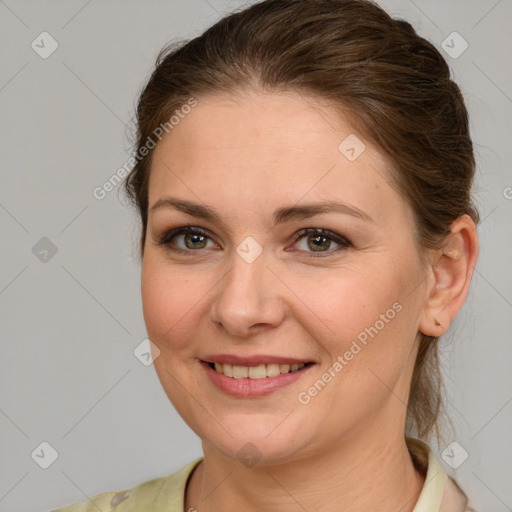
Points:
[(250, 388)]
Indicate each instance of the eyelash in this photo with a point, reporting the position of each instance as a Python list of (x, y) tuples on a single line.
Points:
[(167, 237)]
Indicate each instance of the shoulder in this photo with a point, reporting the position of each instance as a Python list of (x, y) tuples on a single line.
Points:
[(164, 494)]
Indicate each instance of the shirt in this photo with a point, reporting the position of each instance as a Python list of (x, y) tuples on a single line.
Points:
[(440, 493)]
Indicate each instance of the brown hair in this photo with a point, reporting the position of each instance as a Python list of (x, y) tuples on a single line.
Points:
[(394, 86)]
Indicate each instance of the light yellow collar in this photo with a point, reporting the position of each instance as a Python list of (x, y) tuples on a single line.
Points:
[(440, 493)]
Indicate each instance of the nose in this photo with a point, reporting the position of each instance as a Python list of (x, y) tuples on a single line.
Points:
[(249, 299)]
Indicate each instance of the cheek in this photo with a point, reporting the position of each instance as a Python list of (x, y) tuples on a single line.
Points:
[(367, 318), (345, 302), (366, 347), (170, 301)]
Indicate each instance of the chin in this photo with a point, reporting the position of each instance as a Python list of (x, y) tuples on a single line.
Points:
[(256, 441)]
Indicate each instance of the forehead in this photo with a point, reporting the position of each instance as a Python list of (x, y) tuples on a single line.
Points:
[(255, 150), (285, 126)]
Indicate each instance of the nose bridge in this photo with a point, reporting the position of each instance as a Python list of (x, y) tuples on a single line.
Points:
[(250, 293)]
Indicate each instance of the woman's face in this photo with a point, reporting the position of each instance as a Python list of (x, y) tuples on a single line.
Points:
[(253, 289)]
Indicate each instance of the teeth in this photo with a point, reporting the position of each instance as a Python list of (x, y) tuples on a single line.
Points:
[(240, 372), (227, 369), (256, 372), (273, 370)]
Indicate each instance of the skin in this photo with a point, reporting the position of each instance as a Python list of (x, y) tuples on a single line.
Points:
[(246, 156)]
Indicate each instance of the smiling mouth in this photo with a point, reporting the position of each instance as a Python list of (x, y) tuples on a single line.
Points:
[(261, 371)]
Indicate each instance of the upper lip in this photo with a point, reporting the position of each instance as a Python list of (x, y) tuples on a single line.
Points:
[(252, 360)]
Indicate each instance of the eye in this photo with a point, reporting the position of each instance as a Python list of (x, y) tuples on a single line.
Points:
[(193, 238), (319, 241)]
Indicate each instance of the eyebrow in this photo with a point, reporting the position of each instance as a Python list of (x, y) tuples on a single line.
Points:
[(281, 215)]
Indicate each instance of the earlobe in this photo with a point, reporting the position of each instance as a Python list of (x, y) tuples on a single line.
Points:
[(452, 271)]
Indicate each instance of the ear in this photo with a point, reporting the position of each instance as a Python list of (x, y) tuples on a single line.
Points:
[(452, 270)]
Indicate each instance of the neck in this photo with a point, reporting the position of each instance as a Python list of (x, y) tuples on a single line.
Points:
[(377, 474)]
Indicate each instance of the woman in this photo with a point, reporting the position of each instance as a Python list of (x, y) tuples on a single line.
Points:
[(303, 176)]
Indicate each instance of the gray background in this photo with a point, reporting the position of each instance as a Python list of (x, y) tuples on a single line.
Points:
[(70, 324)]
